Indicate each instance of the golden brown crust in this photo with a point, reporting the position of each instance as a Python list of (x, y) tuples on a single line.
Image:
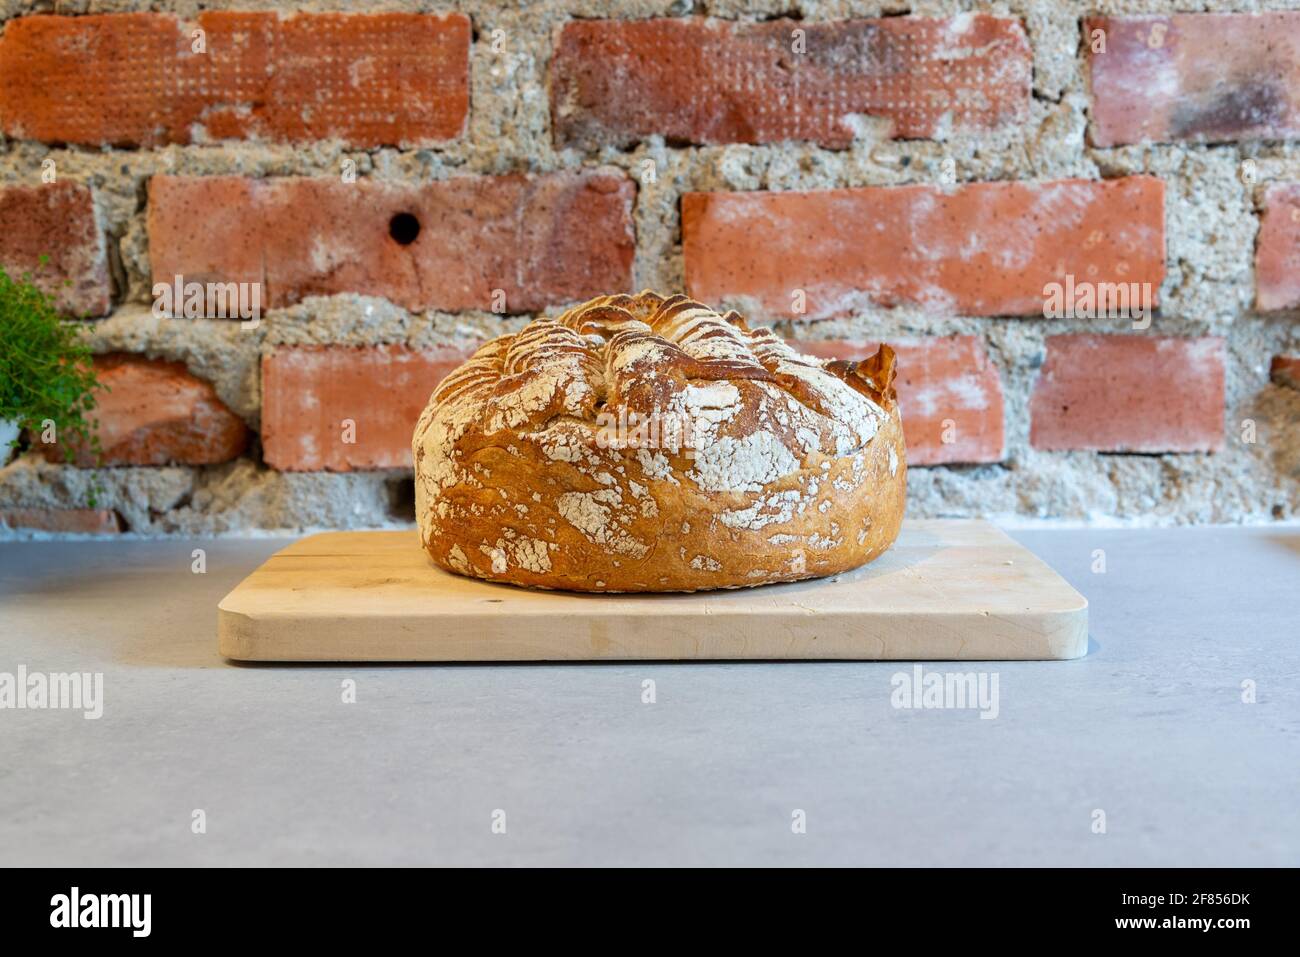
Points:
[(643, 443)]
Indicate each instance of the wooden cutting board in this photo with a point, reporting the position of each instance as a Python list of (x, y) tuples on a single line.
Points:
[(946, 590)]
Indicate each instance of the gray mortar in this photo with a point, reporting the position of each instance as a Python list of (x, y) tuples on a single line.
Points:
[(1211, 219)]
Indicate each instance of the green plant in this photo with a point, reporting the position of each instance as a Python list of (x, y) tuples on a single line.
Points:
[(47, 372)]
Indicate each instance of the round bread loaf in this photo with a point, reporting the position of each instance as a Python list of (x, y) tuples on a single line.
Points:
[(642, 444)]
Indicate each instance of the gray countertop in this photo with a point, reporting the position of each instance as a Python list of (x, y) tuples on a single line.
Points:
[(1150, 728)]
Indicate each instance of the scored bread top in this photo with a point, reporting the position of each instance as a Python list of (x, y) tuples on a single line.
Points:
[(629, 404), (619, 357)]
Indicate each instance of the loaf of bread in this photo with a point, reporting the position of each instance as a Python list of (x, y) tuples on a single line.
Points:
[(644, 444)]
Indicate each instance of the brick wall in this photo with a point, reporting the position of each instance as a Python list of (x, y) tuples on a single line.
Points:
[(398, 186)]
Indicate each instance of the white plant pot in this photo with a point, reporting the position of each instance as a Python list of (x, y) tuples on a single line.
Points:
[(8, 432)]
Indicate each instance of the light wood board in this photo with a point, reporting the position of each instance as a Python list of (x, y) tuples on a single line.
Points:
[(947, 590)]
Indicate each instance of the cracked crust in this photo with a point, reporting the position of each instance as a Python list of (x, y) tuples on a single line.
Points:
[(641, 444)]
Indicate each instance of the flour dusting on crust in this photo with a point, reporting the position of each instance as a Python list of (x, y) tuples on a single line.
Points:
[(651, 443)]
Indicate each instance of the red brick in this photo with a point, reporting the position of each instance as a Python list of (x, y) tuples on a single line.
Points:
[(155, 412), (614, 82), (75, 521), (131, 79), (939, 379), (56, 220), (1210, 77), (542, 240), (309, 393), (1285, 370), (983, 249), (1129, 394), (1277, 249)]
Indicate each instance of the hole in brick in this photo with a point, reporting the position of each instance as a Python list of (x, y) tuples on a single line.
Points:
[(401, 499), (404, 228)]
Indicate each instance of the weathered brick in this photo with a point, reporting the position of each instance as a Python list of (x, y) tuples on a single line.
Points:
[(73, 521), (155, 412), (707, 81), (1285, 370), (1277, 249), (539, 240), (56, 220), (134, 79), (982, 249), (949, 393), (343, 408), (1204, 77), (1115, 393)]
